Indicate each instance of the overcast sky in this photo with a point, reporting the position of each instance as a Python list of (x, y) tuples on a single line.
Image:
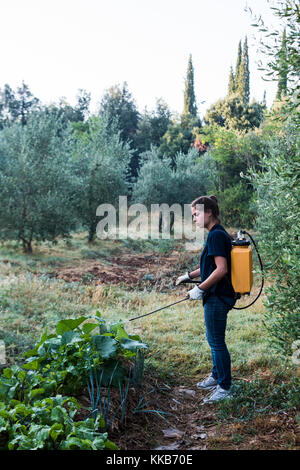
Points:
[(60, 46)]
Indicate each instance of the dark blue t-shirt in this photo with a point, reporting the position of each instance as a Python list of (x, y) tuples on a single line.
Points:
[(218, 243)]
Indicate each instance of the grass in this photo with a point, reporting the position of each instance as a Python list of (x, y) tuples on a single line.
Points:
[(31, 299)]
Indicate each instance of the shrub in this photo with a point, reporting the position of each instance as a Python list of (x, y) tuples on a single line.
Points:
[(278, 206)]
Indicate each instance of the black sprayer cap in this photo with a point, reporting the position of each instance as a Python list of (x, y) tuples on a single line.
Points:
[(240, 240)]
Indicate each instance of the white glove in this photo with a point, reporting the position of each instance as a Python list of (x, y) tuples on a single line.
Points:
[(195, 293), (180, 279)]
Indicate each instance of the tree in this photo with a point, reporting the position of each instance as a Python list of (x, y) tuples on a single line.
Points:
[(232, 113), (83, 103), (238, 66), (233, 154), (16, 105), (37, 183), (243, 83), (190, 106), (160, 182), (277, 184), (280, 56), (119, 107), (102, 164), (231, 84), (152, 126), (239, 83), (282, 69), (26, 102), (177, 139)]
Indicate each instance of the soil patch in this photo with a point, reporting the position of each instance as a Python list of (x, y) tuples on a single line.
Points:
[(132, 270)]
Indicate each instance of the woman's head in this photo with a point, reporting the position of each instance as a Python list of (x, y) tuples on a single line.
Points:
[(210, 207)]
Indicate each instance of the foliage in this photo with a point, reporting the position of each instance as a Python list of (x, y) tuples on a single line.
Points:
[(34, 414), (278, 203), (189, 106), (119, 107), (258, 397), (69, 354), (179, 137), (239, 83), (37, 182), (237, 205), (232, 113), (233, 154), (159, 183), (280, 45), (101, 165), (152, 126), (15, 106), (118, 104), (49, 424)]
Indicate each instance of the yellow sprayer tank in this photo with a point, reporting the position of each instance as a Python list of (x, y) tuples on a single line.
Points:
[(241, 266)]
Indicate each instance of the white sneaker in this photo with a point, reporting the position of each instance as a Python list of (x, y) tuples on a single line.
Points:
[(208, 384), (218, 394)]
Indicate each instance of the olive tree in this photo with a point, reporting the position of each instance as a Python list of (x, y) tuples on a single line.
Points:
[(37, 184)]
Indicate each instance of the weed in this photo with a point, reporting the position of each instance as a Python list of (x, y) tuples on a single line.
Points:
[(259, 397)]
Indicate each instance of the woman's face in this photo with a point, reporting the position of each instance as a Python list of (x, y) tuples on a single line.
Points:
[(201, 218)]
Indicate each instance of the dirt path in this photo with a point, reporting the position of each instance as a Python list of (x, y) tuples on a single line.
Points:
[(163, 417)]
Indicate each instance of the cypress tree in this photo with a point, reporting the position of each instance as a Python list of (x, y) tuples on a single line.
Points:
[(231, 85), (244, 75), (190, 107), (238, 66), (282, 66)]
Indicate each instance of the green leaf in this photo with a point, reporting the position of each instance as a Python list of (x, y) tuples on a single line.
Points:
[(72, 443), (119, 331), (110, 445), (59, 414), (88, 327), (70, 324), (98, 444), (56, 430), (33, 365), (105, 345), (70, 337), (37, 391), (7, 373)]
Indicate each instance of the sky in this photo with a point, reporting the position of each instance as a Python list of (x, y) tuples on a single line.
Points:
[(60, 46)]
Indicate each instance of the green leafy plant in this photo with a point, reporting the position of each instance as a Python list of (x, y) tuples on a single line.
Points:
[(34, 414), (49, 424), (69, 354)]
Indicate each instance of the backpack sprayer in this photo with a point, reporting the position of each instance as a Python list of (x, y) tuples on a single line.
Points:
[(241, 272)]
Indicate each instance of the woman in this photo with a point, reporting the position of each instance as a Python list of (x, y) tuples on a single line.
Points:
[(217, 294)]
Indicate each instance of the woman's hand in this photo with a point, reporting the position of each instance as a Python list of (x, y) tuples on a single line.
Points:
[(195, 293), (183, 278)]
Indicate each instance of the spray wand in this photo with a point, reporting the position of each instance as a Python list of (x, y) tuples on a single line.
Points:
[(161, 308)]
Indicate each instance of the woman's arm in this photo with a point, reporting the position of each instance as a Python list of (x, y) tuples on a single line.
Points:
[(195, 273), (216, 275)]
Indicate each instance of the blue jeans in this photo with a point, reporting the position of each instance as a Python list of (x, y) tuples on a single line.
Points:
[(215, 316)]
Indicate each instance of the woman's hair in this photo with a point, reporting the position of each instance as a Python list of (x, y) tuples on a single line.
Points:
[(209, 202)]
